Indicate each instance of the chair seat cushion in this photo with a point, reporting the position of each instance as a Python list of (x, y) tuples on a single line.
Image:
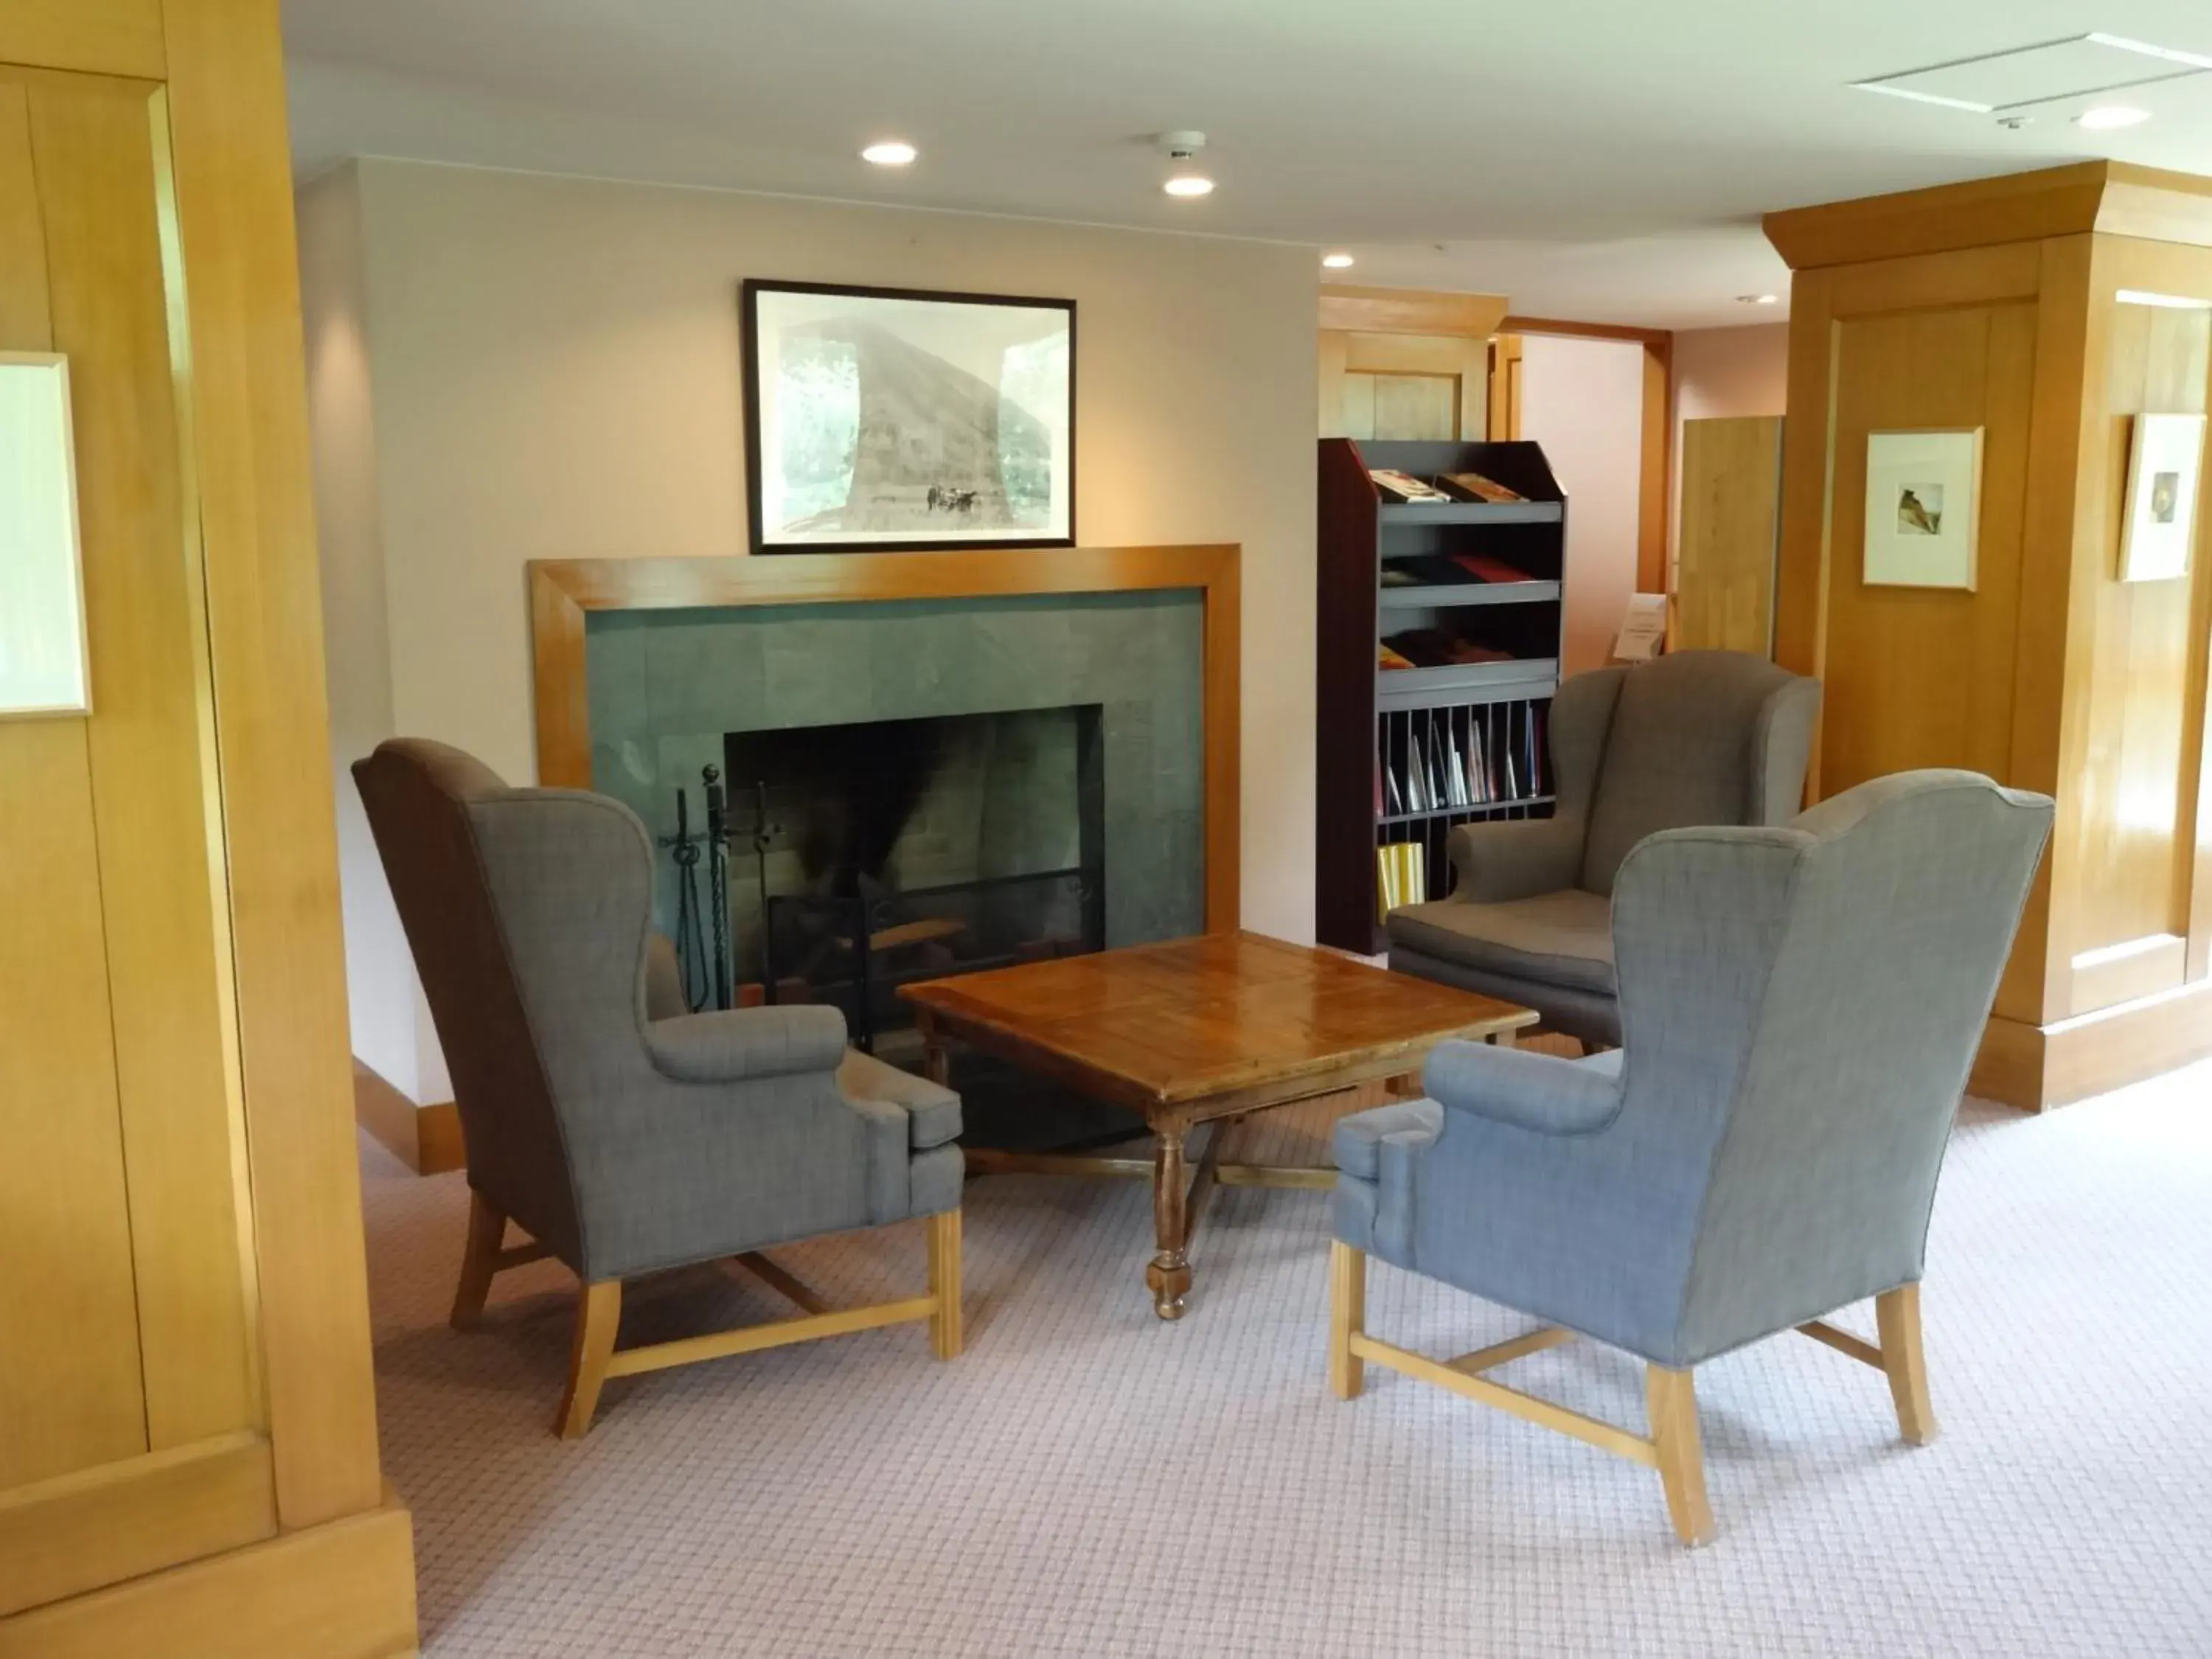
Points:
[(1555, 939), (932, 1113)]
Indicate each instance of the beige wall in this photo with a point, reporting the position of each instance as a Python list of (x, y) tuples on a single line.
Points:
[(357, 642), (1731, 371), (553, 374), (1583, 400)]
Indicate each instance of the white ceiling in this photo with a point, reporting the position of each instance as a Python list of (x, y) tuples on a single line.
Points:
[(1603, 159)]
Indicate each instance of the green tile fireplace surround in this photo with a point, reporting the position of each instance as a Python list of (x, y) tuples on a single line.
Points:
[(663, 688)]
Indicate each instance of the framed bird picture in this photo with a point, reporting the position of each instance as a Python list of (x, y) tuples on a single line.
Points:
[(2165, 455), (1923, 508)]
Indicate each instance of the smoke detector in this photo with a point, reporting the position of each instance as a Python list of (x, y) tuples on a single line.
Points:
[(1183, 178)]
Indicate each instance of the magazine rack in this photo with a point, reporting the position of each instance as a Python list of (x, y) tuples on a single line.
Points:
[(1462, 599)]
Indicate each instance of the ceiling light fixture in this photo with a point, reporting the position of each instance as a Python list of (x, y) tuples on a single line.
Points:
[(1338, 261), (2164, 54), (2106, 117), (890, 153), (1184, 180), (1759, 299), (1920, 97)]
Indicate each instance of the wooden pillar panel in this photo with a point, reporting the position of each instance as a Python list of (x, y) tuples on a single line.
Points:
[(2099, 695), (181, 1303), (1924, 677), (2131, 839), (2133, 851), (151, 746), (64, 1406)]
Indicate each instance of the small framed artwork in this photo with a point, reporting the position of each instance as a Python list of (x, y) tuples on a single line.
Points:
[(1923, 508), (2164, 457), (44, 669), (879, 418)]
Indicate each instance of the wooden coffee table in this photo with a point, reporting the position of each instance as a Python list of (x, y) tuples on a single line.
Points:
[(1199, 1032)]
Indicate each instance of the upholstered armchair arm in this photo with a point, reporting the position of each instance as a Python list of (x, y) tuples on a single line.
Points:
[(1541, 1092), (1496, 862), (731, 1045), (664, 980), (1518, 860)]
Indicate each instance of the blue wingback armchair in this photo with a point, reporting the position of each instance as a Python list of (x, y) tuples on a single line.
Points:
[(1696, 737), (1800, 1006), (621, 1132)]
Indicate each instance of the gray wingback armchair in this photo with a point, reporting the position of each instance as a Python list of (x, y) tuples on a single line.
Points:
[(1800, 1006), (1700, 737), (621, 1132)]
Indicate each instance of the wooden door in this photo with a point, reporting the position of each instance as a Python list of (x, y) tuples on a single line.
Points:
[(131, 1426), (1731, 514), (1420, 386)]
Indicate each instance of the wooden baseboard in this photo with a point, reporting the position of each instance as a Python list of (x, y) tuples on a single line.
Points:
[(345, 1590), (438, 1133), (2038, 1067), (426, 1138)]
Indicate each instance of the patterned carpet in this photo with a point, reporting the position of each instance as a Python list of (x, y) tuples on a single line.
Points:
[(1089, 1481)]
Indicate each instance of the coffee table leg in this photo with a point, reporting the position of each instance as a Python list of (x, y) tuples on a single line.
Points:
[(936, 1064), (1168, 1275)]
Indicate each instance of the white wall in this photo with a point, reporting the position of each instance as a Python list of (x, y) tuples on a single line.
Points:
[(1583, 400), (553, 374)]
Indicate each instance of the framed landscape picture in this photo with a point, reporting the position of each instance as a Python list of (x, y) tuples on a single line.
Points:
[(1923, 508), (2164, 457), (881, 418)]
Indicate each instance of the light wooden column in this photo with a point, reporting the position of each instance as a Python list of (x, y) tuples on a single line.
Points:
[(1731, 512), (188, 1460), (2018, 306)]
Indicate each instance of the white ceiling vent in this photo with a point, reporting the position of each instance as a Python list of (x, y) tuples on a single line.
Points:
[(2046, 73)]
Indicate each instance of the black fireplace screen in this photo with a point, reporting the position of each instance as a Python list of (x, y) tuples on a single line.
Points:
[(866, 856)]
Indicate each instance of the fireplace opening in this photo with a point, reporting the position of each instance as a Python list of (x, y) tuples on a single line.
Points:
[(864, 856)]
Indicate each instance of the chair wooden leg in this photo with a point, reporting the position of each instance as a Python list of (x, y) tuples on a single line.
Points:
[(1671, 1399), (479, 1260), (1897, 1319), (946, 1335), (1347, 1318), (598, 1313)]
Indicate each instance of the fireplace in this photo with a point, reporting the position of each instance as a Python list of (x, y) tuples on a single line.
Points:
[(866, 854)]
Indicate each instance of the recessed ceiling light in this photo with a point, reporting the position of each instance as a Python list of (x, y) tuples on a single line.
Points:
[(1338, 261), (1759, 299), (891, 152), (2105, 116), (1188, 184)]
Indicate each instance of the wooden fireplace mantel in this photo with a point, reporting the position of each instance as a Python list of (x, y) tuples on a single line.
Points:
[(562, 590)]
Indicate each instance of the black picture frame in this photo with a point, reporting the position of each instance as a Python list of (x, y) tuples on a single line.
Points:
[(751, 293)]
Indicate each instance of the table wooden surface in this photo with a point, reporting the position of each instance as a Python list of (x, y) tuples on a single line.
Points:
[(1196, 1032)]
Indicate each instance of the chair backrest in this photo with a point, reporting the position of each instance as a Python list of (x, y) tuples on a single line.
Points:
[(527, 911), (1697, 736), (1800, 1008)]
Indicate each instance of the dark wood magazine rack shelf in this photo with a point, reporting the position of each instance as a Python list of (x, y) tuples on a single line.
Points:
[(1404, 754)]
